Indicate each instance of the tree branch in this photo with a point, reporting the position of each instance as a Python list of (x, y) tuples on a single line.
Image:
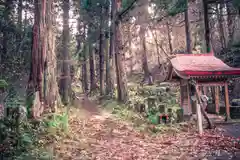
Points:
[(126, 10)]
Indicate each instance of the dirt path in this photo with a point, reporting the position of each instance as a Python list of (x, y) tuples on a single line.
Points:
[(103, 137)]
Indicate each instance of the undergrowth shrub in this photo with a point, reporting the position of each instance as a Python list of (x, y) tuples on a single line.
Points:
[(22, 139)]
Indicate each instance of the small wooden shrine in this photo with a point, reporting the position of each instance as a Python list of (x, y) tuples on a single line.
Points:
[(206, 71)]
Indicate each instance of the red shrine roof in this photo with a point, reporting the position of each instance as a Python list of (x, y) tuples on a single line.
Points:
[(201, 65)]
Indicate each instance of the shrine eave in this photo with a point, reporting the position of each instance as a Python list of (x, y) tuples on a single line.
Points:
[(207, 74), (202, 66)]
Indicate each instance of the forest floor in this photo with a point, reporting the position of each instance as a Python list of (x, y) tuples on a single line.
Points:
[(97, 133), (103, 136)]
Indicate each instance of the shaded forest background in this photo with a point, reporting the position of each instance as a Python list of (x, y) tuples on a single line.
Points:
[(150, 32), (67, 48)]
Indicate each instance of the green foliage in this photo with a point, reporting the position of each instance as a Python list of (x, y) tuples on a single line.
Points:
[(153, 119), (19, 137), (176, 7), (57, 121), (236, 3), (126, 3), (86, 4), (231, 55), (94, 5), (29, 103), (3, 84), (171, 7)]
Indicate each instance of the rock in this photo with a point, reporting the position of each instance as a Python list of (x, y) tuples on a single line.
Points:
[(22, 113), (165, 84)]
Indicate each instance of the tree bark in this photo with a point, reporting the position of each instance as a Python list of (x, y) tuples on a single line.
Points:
[(84, 68), (65, 85), (169, 37), (110, 68), (7, 19), (119, 59), (200, 37), (19, 22), (231, 18), (107, 60), (130, 47), (206, 24), (143, 15), (52, 97), (187, 30), (101, 55), (42, 85), (93, 84), (220, 23), (145, 67)]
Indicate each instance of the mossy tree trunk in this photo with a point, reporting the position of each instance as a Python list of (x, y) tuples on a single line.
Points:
[(42, 86)]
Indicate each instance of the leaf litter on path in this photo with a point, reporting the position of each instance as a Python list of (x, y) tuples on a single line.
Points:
[(103, 137)]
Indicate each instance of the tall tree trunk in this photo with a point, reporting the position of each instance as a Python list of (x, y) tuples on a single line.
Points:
[(42, 85), (130, 47), (187, 30), (101, 54), (200, 31), (119, 58), (147, 74), (155, 37), (231, 18), (65, 85), (20, 6), (110, 67), (107, 47), (220, 23), (25, 18), (93, 84), (206, 24), (107, 65), (143, 15), (106, 53), (7, 19), (84, 64), (52, 97), (169, 31)]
